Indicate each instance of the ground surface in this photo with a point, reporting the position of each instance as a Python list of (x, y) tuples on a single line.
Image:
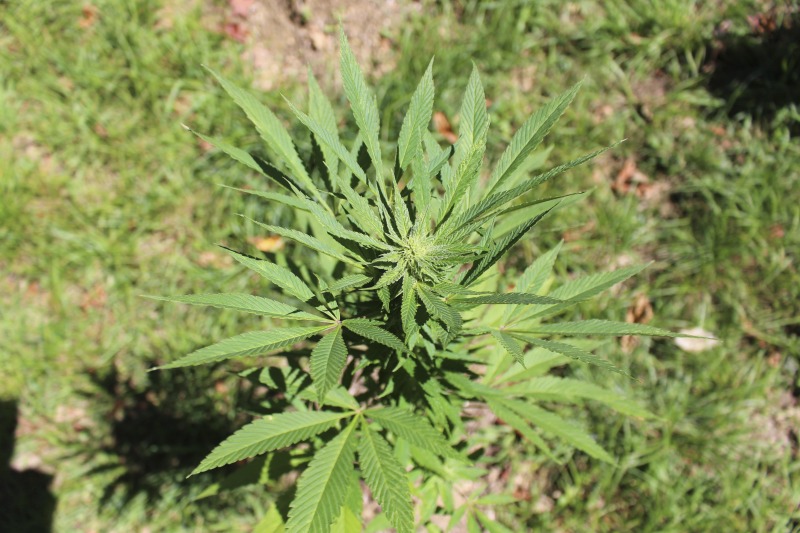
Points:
[(105, 198)]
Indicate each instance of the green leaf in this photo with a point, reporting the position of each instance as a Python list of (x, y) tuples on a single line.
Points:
[(408, 307), (280, 276), (335, 228), (601, 327), (440, 310), (528, 137), (387, 479), (415, 429), (485, 207), (534, 277), (237, 154), (499, 249), (349, 520), (511, 345), (268, 434), (582, 289), (327, 362), (244, 302), (558, 427), (362, 102), (464, 179), (556, 388), (271, 130), (321, 110), (571, 351), (367, 329), (519, 424), (271, 523), (308, 240), (416, 120), (250, 343), (506, 298), (326, 138), (323, 488), (284, 199), (489, 524), (474, 121), (349, 282)]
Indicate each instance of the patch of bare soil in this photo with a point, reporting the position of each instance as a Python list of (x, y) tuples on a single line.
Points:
[(283, 37)]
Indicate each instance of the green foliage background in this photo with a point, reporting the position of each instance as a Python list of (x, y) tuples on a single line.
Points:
[(105, 197)]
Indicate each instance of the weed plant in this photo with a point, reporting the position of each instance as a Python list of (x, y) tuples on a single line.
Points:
[(399, 314)]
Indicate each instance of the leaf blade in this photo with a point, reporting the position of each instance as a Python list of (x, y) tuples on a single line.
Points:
[(250, 343), (387, 479), (328, 359), (269, 434), (323, 486)]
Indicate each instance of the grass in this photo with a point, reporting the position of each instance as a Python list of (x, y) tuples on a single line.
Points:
[(106, 197)]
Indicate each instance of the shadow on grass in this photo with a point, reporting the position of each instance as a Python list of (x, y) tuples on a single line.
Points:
[(159, 430), (26, 503), (758, 73)]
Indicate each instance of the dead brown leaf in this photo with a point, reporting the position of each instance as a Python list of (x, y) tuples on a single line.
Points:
[(639, 312), (630, 178), (270, 243), (443, 126), (89, 14)]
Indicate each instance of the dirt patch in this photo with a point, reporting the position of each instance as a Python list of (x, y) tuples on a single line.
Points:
[(283, 37)]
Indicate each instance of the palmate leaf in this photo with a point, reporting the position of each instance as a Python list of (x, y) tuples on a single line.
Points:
[(386, 478), (506, 298), (323, 488), (528, 137), (271, 130), (309, 241), (250, 343), (321, 110), (408, 307), (237, 154), (464, 179), (370, 330), (272, 522), (534, 277), (349, 520), (244, 302), (440, 310), (416, 120), (291, 201), (280, 276), (511, 345), (571, 351), (326, 138), (414, 429), (600, 327), (269, 434), (582, 289), (327, 362), (362, 103), (353, 281), (558, 427), (499, 249), (493, 202), (474, 119), (556, 388), (519, 424), (335, 228)]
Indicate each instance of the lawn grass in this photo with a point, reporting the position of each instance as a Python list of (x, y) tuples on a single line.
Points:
[(106, 198)]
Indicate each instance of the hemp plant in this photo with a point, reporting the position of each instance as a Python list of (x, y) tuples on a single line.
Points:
[(397, 317)]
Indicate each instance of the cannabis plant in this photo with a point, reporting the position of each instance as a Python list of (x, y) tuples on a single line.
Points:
[(392, 313)]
